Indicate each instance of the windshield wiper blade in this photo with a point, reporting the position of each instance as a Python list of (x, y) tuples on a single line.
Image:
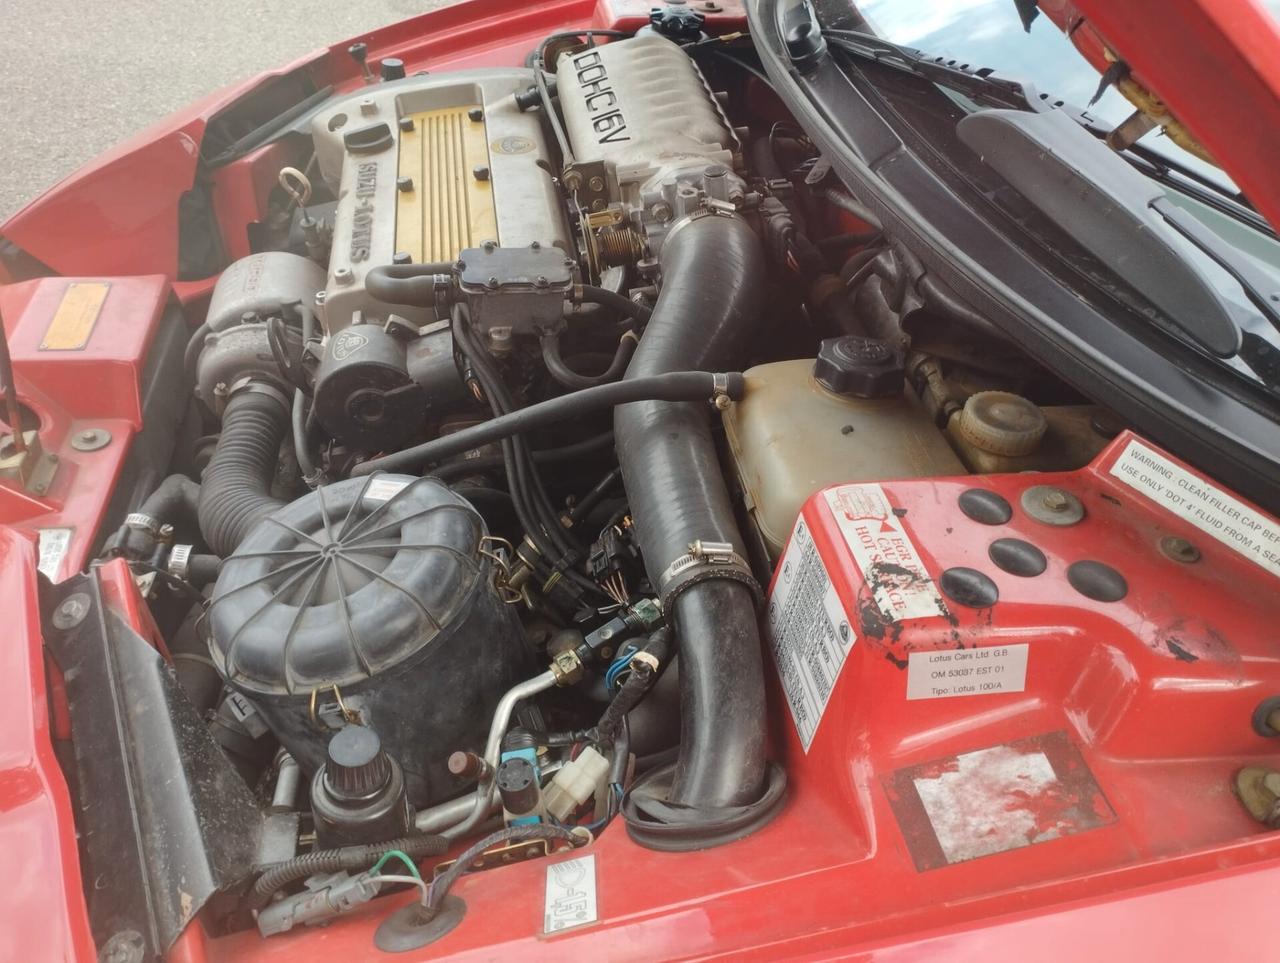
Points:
[(982, 84), (1259, 286), (1111, 210)]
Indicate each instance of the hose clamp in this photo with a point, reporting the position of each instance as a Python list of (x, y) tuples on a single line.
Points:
[(720, 392), (253, 385), (142, 522), (705, 560), (179, 565), (713, 209)]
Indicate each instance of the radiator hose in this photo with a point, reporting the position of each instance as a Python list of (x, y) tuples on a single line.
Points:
[(235, 490), (720, 787)]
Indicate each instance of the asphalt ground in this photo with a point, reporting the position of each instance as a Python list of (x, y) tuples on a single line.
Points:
[(79, 76)]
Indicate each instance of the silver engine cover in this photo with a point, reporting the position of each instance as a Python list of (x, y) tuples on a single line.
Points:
[(429, 166), (641, 108)]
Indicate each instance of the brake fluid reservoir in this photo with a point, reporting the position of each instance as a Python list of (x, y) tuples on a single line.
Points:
[(791, 437)]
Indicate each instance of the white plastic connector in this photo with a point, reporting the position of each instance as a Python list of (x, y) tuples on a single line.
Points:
[(575, 783)]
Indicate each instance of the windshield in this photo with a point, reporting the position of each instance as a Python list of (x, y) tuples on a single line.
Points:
[(989, 33)]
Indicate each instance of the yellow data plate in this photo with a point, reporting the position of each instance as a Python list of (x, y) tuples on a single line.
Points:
[(76, 315), (449, 208)]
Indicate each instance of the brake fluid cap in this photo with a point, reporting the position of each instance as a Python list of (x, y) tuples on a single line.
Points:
[(1002, 423)]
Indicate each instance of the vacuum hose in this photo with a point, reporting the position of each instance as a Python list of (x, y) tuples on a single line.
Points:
[(235, 491), (720, 787)]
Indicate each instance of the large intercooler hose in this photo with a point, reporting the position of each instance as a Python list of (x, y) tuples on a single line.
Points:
[(720, 788), (235, 491)]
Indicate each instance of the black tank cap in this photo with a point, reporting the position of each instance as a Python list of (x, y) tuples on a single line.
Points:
[(357, 767)]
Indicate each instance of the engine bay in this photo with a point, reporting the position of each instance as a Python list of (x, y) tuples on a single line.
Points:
[(572, 465)]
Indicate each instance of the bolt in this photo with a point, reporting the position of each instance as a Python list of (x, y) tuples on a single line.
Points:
[(598, 204), (459, 265), (535, 246), (404, 184), (166, 531), (72, 611), (606, 633), (402, 257), (475, 113), (596, 183), (1055, 501), (540, 282), (723, 402), (661, 212), (406, 124), (343, 276), (1179, 549), (320, 296), (572, 180), (492, 283), (480, 172), (489, 246)]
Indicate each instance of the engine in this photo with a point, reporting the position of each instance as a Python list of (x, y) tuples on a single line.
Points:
[(515, 406)]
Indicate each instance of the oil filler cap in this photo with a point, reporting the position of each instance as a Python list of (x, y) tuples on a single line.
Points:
[(1002, 423), (859, 367)]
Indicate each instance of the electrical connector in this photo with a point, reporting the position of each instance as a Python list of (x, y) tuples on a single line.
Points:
[(575, 783), (325, 897)]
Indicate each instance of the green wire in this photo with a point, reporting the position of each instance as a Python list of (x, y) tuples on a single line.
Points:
[(397, 854)]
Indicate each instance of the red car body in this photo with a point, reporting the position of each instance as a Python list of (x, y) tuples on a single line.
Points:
[(1148, 870)]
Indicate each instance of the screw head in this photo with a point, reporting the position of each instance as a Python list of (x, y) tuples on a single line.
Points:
[(540, 282), (475, 114), (1179, 550), (404, 184), (480, 172), (492, 283), (72, 611), (406, 124), (90, 439), (596, 183), (489, 246)]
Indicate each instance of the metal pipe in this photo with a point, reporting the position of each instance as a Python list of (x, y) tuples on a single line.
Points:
[(288, 778)]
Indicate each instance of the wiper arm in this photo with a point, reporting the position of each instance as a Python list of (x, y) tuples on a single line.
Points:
[(1113, 212)]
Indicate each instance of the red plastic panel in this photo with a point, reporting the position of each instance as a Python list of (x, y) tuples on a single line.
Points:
[(74, 389)]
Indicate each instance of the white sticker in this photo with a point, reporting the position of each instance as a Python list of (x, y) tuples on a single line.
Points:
[(985, 802), (1206, 506), (964, 672), (384, 489), (884, 552), (52, 548), (809, 632), (571, 894)]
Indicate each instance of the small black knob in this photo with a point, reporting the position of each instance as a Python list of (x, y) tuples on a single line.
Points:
[(392, 68), (359, 52), (859, 367), (517, 783), (357, 767)]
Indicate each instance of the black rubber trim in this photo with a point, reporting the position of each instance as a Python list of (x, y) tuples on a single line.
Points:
[(654, 823)]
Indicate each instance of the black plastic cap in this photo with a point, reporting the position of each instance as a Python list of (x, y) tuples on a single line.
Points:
[(859, 367), (359, 52), (677, 23), (357, 767), (392, 68)]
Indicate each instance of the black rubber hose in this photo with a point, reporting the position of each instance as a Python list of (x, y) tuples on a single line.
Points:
[(336, 860), (235, 493), (713, 290), (545, 456), (406, 283), (611, 299), (672, 385), (556, 366), (203, 569), (174, 498), (191, 356)]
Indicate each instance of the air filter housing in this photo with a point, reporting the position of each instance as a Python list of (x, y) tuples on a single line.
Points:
[(370, 601)]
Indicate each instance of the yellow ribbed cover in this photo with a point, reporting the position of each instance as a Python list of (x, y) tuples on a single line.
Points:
[(448, 209)]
